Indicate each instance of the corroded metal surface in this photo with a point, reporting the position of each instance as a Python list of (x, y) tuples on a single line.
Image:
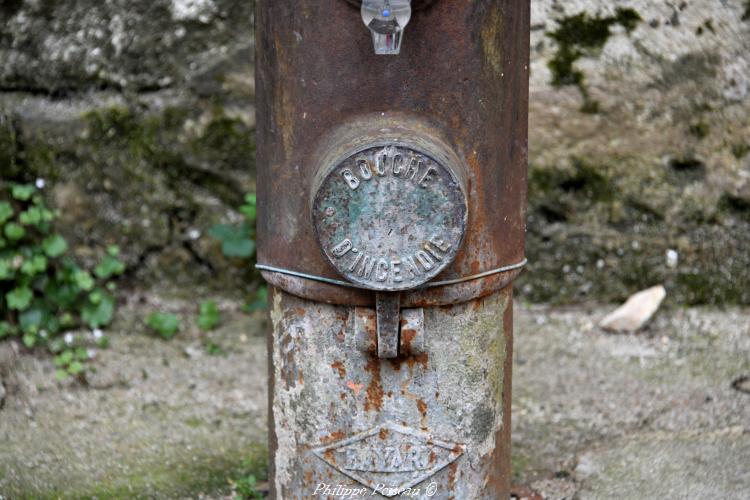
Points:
[(344, 418), (388, 321), (390, 217), (435, 419), (463, 74), (411, 338), (422, 297)]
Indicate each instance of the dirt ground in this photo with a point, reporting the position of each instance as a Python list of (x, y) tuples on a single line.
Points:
[(660, 414)]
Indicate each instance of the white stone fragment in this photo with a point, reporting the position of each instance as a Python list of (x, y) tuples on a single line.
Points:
[(673, 258), (193, 10), (636, 311)]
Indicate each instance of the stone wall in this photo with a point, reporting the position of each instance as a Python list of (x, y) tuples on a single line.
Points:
[(139, 116)]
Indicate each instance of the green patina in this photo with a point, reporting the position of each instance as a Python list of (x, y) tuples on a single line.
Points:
[(583, 35)]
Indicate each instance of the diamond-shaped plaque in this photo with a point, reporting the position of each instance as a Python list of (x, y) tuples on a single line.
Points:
[(390, 457)]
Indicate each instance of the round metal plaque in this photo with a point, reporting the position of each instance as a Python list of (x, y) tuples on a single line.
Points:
[(390, 217)]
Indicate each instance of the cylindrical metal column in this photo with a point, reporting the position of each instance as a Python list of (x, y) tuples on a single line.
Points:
[(391, 206)]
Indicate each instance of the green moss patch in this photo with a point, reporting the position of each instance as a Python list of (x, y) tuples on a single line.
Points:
[(583, 35)]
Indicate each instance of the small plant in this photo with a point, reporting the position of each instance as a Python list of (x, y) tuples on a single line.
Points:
[(252, 468), (166, 325), (44, 291), (238, 240), (246, 488), (213, 348), (260, 301), (208, 316)]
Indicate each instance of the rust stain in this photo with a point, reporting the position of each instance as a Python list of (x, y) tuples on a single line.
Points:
[(422, 407), (330, 456), (421, 359), (383, 434), (374, 398), (333, 437), (355, 387), (338, 365), (452, 468), (407, 337)]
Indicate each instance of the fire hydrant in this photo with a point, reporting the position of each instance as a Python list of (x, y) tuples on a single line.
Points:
[(391, 187)]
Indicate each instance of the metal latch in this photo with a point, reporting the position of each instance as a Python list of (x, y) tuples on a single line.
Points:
[(388, 331)]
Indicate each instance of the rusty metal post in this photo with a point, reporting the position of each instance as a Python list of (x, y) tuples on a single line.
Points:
[(391, 207)]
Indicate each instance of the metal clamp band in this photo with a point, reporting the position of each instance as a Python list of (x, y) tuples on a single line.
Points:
[(433, 284)]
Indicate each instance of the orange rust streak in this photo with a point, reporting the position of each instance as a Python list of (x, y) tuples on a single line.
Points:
[(338, 365), (334, 436), (355, 387), (374, 398), (452, 468), (407, 337), (330, 456)]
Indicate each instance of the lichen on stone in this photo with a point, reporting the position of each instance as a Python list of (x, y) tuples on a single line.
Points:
[(583, 35)]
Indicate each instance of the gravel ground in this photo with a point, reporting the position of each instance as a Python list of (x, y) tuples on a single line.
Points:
[(596, 415)]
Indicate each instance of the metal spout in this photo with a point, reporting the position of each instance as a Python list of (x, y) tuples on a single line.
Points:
[(386, 20)]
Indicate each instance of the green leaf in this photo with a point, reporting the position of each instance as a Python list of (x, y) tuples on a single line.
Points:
[(100, 313), (62, 294), (238, 248), (95, 297), (223, 231), (75, 368), (32, 319), (19, 298), (61, 375), (113, 250), (6, 211), (235, 240), (6, 329), (29, 340), (63, 359), (208, 317), (14, 231), (249, 209), (22, 191), (55, 245), (6, 269), (34, 265), (84, 281), (31, 217), (109, 266), (165, 324), (261, 300)]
